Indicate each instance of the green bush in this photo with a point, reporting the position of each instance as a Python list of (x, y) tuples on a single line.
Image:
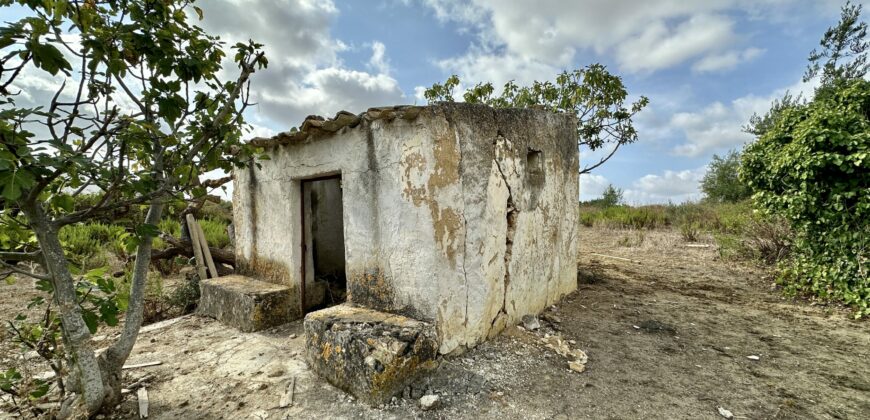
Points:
[(812, 168), (721, 183), (623, 217), (89, 244), (215, 232)]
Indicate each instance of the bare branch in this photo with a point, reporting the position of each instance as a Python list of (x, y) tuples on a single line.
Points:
[(14, 269)]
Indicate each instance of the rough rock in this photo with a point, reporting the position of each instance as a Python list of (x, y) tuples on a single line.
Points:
[(531, 323), (429, 402), (245, 303), (372, 355), (552, 319)]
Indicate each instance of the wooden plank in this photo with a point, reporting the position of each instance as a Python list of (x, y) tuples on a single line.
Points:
[(141, 365), (197, 249), (205, 251), (163, 324), (142, 396), (287, 398), (615, 258)]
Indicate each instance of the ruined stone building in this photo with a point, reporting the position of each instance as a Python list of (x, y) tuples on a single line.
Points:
[(461, 216)]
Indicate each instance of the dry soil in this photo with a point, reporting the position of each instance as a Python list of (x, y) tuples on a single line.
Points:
[(668, 328)]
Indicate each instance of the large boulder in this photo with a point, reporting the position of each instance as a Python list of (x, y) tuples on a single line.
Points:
[(370, 354), (245, 303)]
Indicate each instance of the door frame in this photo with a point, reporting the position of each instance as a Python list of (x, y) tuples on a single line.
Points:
[(304, 243)]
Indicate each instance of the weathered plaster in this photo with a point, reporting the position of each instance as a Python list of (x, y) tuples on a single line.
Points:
[(442, 220)]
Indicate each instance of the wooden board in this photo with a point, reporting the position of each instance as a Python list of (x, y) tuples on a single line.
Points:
[(205, 251), (197, 249)]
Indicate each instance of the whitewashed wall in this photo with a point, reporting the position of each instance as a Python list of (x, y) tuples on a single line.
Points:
[(425, 202)]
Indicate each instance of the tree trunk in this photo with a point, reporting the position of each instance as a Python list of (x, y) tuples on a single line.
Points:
[(97, 380), (86, 373), (113, 359)]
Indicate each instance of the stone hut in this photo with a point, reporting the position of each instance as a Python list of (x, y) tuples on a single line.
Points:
[(460, 217)]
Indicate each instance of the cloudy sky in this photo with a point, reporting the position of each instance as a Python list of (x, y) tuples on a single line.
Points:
[(705, 65)]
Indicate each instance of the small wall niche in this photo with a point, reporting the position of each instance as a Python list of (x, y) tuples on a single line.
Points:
[(534, 176)]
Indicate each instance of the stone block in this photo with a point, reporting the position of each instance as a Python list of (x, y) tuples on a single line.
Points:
[(370, 354), (245, 303)]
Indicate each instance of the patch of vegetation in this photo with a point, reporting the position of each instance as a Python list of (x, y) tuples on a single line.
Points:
[(738, 232), (813, 169), (721, 183), (810, 167)]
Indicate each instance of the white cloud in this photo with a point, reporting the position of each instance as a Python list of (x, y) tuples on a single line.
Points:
[(671, 186), (420, 94), (714, 127), (720, 126), (592, 186), (658, 46), (379, 61), (305, 74), (726, 61), (646, 36), (482, 64)]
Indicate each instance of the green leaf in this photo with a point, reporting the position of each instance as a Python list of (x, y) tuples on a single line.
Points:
[(63, 202), (48, 57), (91, 320), (41, 389), (14, 182)]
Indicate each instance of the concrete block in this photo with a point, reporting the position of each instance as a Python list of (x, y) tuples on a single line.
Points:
[(372, 355), (245, 303)]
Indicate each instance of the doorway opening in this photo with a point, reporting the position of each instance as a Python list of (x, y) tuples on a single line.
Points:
[(323, 263)]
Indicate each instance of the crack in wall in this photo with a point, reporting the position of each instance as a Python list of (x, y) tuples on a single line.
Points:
[(511, 219), (452, 127)]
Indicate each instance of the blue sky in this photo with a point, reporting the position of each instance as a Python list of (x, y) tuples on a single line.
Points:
[(706, 66)]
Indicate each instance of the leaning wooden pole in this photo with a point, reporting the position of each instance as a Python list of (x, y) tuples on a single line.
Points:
[(197, 248), (205, 251)]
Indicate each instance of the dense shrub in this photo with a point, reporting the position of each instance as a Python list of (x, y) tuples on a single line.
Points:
[(812, 168)]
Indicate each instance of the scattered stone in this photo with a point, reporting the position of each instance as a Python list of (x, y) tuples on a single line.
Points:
[(576, 358), (257, 386), (275, 372), (552, 318), (429, 402), (753, 357), (530, 322), (576, 366), (725, 413), (292, 336)]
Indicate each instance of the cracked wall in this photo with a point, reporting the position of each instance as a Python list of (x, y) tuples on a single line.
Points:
[(443, 220)]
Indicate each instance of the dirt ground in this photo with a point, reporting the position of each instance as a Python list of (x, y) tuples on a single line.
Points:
[(668, 330)]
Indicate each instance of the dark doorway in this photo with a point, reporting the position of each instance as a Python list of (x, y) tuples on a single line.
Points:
[(323, 229)]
